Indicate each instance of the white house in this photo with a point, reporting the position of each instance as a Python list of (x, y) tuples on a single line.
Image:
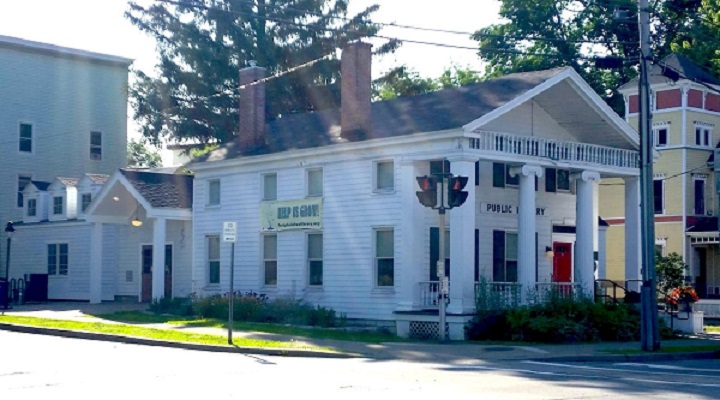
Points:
[(63, 112), (326, 202), (93, 236)]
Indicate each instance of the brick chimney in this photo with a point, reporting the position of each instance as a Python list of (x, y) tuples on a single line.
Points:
[(355, 119), (251, 110)]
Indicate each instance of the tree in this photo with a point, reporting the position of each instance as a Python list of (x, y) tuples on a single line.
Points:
[(203, 44), (700, 42), (404, 81), (553, 33), (670, 271), (140, 156)]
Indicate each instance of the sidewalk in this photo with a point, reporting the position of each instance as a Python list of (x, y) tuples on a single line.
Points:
[(452, 352)]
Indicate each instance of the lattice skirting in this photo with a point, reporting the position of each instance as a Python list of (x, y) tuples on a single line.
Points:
[(426, 330)]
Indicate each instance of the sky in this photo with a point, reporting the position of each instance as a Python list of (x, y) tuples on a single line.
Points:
[(99, 26)]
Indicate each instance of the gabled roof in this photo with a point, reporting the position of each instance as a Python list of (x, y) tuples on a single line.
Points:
[(71, 182), (98, 179), (678, 63), (162, 190), (431, 112)]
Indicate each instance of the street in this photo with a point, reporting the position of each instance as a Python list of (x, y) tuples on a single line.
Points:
[(42, 367)]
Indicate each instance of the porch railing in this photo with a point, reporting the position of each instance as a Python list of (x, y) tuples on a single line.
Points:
[(500, 295), (562, 290), (555, 150), (429, 291)]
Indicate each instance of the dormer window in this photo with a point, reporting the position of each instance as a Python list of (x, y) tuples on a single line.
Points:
[(86, 199), (57, 205), (32, 207)]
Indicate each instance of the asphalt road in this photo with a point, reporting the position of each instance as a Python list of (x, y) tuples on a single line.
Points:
[(45, 367)]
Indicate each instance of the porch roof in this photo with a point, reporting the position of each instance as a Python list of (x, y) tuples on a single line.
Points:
[(158, 194)]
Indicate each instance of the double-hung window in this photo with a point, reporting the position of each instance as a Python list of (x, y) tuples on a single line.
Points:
[(557, 180), (31, 207), (505, 250), (57, 205), (57, 259), (315, 182), (270, 186), (25, 137), (270, 260), (699, 191), (86, 200), (502, 177), (703, 135), (384, 257), (213, 197), (315, 258), (96, 146), (213, 259), (384, 176), (659, 195)]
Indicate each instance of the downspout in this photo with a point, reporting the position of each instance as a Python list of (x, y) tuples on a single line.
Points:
[(684, 91)]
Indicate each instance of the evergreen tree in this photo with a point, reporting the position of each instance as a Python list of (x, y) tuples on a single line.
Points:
[(203, 44)]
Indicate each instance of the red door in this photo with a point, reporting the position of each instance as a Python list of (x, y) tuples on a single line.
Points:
[(562, 262)]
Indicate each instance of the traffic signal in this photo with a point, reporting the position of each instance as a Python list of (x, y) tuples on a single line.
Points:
[(428, 191), (456, 194)]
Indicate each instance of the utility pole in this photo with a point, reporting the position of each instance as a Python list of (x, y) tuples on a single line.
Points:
[(649, 333)]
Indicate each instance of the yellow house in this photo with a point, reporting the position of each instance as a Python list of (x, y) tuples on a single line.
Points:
[(686, 128)]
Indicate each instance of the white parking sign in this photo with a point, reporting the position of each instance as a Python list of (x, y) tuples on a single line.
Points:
[(229, 231)]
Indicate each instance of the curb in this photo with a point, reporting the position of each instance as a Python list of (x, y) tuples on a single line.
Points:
[(690, 355), (178, 345)]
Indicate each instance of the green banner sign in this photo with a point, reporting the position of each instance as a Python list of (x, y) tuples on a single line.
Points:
[(288, 215)]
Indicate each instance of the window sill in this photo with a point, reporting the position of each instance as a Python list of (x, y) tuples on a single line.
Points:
[(384, 192), (315, 288), (212, 206), (384, 290)]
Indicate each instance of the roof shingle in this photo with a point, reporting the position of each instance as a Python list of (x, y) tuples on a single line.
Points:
[(162, 190)]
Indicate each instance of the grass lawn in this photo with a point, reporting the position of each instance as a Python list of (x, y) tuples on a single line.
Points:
[(138, 317), (713, 329), (143, 332), (671, 349)]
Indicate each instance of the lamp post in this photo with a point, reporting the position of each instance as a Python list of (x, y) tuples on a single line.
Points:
[(9, 229)]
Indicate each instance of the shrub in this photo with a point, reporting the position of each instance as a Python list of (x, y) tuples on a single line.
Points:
[(558, 320), (254, 307), (176, 306)]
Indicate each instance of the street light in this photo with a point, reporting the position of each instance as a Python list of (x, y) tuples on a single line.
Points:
[(9, 229)]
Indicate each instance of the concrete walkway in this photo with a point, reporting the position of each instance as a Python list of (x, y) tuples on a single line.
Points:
[(452, 352)]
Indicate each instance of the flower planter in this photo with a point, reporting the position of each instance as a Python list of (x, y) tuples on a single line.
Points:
[(685, 322)]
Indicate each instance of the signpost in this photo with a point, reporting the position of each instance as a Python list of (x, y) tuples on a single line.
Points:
[(229, 236)]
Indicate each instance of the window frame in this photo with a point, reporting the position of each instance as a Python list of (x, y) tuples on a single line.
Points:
[(83, 204), (310, 259), (265, 186), (656, 135), (31, 205), (703, 135), (505, 259), (377, 258), (22, 139), (96, 148), (309, 182), (211, 201), (696, 209), (211, 263), (552, 180), (55, 266), (507, 179), (376, 176), (55, 205), (660, 179), (266, 261)]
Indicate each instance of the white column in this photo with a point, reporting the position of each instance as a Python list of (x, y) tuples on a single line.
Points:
[(158, 265), (96, 248), (584, 261), (527, 226), (632, 232), (462, 242), (411, 266)]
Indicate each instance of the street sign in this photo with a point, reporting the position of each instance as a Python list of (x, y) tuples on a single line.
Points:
[(229, 232)]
